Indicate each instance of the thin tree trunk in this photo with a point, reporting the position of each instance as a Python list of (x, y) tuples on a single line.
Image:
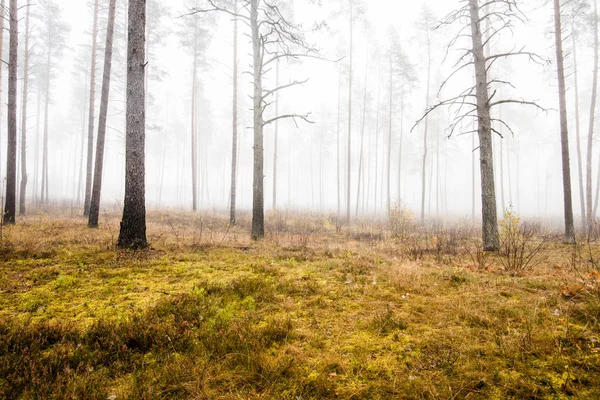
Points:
[(11, 151), (193, 123), (426, 123), (36, 161), (81, 144), (97, 185), (501, 156), (400, 148), (258, 201), (133, 225), (362, 136), (375, 192), (275, 145), (578, 127), (2, 17), (389, 147), (24, 176), (91, 115), (234, 150), (350, 115), (491, 238), (337, 152), (45, 190), (588, 193)]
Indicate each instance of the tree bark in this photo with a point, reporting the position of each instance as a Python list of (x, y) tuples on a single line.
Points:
[(11, 151), (91, 114), (491, 238), (133, 225), (362, 135), (337, 152), (97, 185), (24, 176), (2, 16), (258, 201), (234, 141), (588, 192)]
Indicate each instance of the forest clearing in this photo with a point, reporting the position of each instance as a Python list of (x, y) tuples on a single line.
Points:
[(299, 199), (378, 310)]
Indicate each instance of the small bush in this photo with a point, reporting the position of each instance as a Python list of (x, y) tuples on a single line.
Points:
[(519, 248), (401, 220)]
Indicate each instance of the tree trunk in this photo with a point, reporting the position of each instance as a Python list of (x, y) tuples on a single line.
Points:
[(491, 238), (578, 128), (426, 124), (45, 190), (337, 152), (258, 201), (234, 141), (11, 151), (400, 147), (2, 16), (133, 225), (362, 135), (91, 114), (24, 176), (97, 185), (375, 192), (81, 144), (348, 189), (389, 146), (588, 192), (275, 142), (193, 123)]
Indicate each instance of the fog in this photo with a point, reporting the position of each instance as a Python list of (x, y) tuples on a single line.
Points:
[(527, 161)]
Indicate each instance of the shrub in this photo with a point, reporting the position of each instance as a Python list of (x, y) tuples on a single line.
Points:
[(520, 250)]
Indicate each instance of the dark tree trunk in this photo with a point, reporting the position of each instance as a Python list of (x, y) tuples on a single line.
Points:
[(91, 114), (24, 176), (97, 185), (258, 200), (11, 151), (133, 225), (2, 17), (424, 172), (491, 238)]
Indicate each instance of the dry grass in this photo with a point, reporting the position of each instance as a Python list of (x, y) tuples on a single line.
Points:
[(313, 312)]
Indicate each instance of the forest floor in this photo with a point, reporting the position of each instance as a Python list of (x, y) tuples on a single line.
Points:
[(378, 310)]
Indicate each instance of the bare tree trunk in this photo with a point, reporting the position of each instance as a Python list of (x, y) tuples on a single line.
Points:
[(258, 201), (2, 16), (81, 144), (491, 238), (45, 190), (97, 186), (91, 115), (389, 147), (350, 114), (375, 192), (275, 142), (400, 147), (133, 225), (193, 123), (11, 151), (426, 124), (564, 131), (588, 193), (337, 152), (234, 161), (24, 176), (578, 128), (474, 170), (501, 156), (362, 136)]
